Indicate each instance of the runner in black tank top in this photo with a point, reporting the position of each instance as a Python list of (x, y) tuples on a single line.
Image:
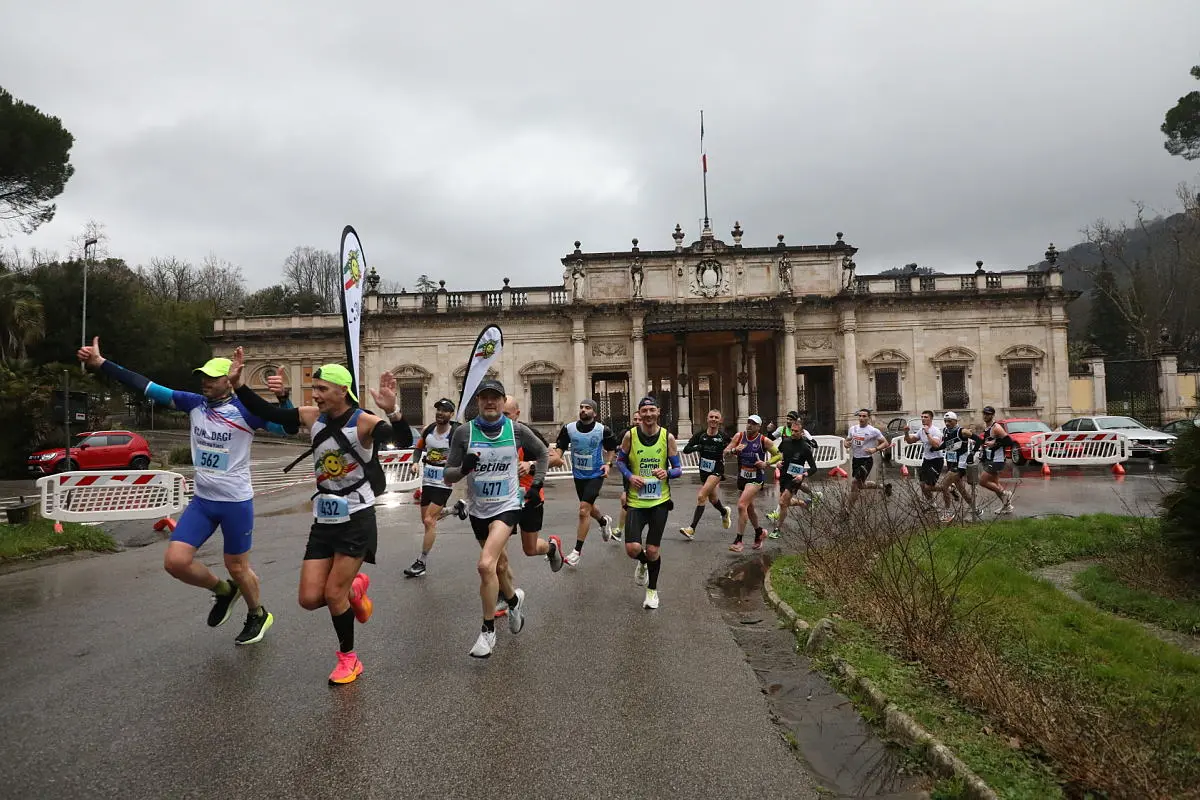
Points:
[(709, 444)]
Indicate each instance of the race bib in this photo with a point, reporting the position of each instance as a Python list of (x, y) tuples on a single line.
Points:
[(212, 459), (490, 489), (795, 470), (859, 441), (433, 474), (998, 458), (651, 490), (750, 474), (951, 457), (330, 509), (582, 461), (708, 465)]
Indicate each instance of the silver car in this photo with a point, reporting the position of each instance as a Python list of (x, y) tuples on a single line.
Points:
[(1146, 442)]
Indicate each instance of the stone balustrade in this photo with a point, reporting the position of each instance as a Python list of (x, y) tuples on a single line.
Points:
[(970, 282)]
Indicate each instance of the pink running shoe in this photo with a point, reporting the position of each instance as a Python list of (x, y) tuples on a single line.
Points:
[(737, 547), (359, 601), (347, 670)]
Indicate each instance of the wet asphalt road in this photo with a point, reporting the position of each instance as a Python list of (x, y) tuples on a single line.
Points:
[(114, 687)]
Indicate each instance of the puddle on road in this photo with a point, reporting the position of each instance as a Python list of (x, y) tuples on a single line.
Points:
[(847, 757)]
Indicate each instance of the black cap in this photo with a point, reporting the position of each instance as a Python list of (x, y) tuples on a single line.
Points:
[(490, 385), (793, 415), (445, 404), (989, 410), (647, 401)]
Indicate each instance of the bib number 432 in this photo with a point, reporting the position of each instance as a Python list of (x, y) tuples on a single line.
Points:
[(331, 510)]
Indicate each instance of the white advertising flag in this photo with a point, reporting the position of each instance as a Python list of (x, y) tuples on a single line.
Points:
[(354, 267), (485, 353)]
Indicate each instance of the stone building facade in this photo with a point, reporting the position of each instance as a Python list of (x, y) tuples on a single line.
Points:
[(709, 324)]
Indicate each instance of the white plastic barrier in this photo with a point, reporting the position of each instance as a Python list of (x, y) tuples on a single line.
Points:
[(98, 496), (690, 461), (907, 454), (1089, 448), (403, 474), (830, 452)]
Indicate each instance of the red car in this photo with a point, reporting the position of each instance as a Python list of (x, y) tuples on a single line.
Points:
[(1022, 429), (94, 450)]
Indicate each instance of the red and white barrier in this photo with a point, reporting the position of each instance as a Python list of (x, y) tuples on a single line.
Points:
[(1081, 449), (100, 496), (403, 474)]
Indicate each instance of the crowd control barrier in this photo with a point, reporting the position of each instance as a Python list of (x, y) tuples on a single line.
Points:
[(403, 474), (101, 496), (1081, 449)]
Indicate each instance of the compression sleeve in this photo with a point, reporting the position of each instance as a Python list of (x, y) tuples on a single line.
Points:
[(159, 394), (287, 417), (623, 463), (564, 440), (676, 469)]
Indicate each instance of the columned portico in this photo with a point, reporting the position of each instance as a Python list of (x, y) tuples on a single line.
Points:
[(579, 360), (849, 366), (790, 388), (638, 342)]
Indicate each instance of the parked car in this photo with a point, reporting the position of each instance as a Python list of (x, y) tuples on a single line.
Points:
[(94, 450), (1022, 431), (1179, 426), (1146, 442)]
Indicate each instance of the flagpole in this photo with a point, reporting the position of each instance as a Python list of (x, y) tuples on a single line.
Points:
[(704, 166)]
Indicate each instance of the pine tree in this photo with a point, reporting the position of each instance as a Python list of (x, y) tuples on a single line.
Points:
[(1108, 328)]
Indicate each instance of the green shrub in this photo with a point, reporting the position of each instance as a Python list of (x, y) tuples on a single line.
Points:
[(1181, 508), (181, 454)]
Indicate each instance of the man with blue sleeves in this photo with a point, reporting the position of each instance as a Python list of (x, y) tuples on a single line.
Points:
[(221, 433), (592, 445)]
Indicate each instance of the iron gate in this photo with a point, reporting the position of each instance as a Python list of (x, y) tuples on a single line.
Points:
[(1132, 390)]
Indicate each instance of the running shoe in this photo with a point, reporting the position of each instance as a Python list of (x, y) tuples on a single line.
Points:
[(759, 537), (416, 570), (976, 514), (222, 608), (773, 515), (606, 527), (555, 556), (572, 558), (774, 534), (347, 670), (256, 626), (819, 496), (947, 517), (641, 574), (359, 601), (460, 510), (737, 546), (689, 533), (617, 534), (727, 518), (501, 608), (484, 645), (651, 600), (516, 614)]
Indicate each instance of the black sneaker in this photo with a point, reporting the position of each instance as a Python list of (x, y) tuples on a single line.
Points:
[(460, 510), (256, 626), (222, 608), (416, 570)]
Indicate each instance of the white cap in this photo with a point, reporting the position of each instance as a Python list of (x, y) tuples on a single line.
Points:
[(950, 415), (755, 418)]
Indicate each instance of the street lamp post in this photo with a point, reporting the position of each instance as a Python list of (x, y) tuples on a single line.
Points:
[(86, 261)]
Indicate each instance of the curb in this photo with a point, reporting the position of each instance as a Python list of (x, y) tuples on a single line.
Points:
[(900, 725)]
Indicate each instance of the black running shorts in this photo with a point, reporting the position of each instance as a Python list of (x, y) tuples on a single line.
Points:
[(654, 519), (530, 518), (744, 482), (588, 489), (704, 476), (994, 467), (434, 496), (357, 538), (860, 468), (481, 527), (930, 470)]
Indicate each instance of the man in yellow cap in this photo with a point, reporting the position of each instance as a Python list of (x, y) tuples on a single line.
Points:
[(222, 430), (343, 533)]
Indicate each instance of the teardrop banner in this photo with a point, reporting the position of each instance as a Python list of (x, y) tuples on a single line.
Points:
[(354, 267), (485, 353)]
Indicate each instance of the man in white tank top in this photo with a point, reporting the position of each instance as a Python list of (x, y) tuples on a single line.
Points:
[(432, 449)]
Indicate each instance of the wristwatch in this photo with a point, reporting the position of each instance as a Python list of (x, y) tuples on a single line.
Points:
[(395, 415)]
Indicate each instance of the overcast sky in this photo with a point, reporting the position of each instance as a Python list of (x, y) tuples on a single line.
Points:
[(477, 144)]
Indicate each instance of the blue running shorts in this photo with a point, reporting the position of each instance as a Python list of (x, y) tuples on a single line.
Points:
[(201, 518)]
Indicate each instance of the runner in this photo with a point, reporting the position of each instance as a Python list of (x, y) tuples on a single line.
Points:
[(530, 521), (432, 448), (752, 449), (931, 457), (710, 444), (864, 441), (648, 458), (491, 446), (618, 529), (996, 439), (588, 440), (222, 431), (782, 435), (962, 471), (796, 459), (951, 448), (348, 475)]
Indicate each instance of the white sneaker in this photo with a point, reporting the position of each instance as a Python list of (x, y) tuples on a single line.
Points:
[(689, 533), (572, 558), (516, 614), (641, 574), (484, 645), (651, 600), (606, 527)]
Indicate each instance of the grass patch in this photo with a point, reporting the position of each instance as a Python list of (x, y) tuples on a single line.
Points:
[(1013, 773), (39, 537), (1104, 587)]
